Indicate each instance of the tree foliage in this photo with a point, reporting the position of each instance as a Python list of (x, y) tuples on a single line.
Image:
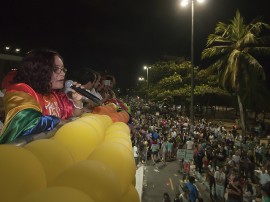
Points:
[(235, 48)]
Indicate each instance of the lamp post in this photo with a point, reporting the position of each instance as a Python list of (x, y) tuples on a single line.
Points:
[(147, 69), (185, 3)]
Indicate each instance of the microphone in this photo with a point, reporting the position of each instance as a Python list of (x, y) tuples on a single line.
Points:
[(69, 84)]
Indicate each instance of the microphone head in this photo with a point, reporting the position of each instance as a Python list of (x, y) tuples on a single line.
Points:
[(68, 83)]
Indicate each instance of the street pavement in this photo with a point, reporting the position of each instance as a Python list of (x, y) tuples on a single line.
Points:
[(158, 179)]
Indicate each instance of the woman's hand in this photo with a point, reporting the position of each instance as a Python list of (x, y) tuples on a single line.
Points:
[(77, 100), (76, 96)]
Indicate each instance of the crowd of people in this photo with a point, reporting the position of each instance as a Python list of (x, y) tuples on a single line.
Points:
[(233, 170)]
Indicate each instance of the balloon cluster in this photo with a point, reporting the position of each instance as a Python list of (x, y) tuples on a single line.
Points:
[(111, 110), (88, 160)]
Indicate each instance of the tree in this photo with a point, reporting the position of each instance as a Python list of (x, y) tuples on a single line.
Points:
[(235, 48)]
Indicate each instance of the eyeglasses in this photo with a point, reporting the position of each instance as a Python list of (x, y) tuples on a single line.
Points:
[(58, 70)]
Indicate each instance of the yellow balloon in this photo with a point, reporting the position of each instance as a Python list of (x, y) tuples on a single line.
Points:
[(131, 195), (118, 126), (134, 181), (21, 173), (119, 133), (57, 194), (123, 141), (54, 157), (117, 157), (93, 178), (96, 123), (79, 137), (107, 121)]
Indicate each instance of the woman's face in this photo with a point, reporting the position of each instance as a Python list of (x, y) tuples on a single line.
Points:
[(58, 76)]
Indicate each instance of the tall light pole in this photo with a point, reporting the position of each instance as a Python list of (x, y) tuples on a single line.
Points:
[(147, 69), (185, 3)]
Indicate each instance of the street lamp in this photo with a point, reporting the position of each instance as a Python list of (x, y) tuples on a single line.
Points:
[(147, 68), (185, 3), (141, 79)]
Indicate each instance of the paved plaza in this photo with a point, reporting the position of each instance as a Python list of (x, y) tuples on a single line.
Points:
[(157, 179)]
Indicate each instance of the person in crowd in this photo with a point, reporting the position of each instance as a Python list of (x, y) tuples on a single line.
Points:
[(35, 102), (251, 165), (220, 182), (190, 144), (164, 150), (199, 158), (235, 192), (86, 77), (193, 191), (266, 192), (135, 153), (184, 196), (211, 180), (98, 88), (257, 154), (170, 148), (264, 176), (145, 151), (154, 151), (248, 193), (236, 157), (104, 91)]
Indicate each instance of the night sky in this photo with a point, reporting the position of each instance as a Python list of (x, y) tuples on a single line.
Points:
[(120, 36)]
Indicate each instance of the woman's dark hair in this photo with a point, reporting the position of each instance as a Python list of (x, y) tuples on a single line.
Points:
[(36, 70)]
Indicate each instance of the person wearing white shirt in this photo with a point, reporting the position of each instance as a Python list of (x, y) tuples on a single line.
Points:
[(190, 144), (236, 157), (264, 176), (211, 137), (135, 153), (173, 134), (220, 177)]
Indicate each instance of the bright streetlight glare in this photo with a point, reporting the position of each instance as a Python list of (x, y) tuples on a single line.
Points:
[(7, 47), (200, 1), (17, 50), (184, 3), (147, 68)]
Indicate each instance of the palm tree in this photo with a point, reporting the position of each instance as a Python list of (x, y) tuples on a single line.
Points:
[(234, 48)]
